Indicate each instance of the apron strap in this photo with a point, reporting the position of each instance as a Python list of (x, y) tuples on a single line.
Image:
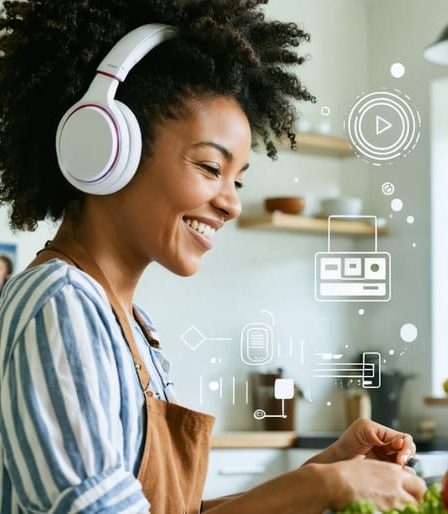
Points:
[(75, 253)]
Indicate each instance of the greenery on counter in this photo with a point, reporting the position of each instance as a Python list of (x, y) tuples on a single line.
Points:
[(431, 504)]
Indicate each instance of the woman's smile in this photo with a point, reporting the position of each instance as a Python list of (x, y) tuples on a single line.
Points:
[(202, 229)]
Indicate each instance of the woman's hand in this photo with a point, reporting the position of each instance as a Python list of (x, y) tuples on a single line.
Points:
[(387, 485), (375, 441)]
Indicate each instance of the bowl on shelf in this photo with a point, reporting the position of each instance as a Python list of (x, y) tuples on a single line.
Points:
[(342, 206), (285, 204)]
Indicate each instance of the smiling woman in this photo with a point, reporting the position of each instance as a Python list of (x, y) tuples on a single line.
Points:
[(161, 100), (194, 172)]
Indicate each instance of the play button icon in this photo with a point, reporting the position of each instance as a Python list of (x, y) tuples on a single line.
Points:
[(382, 125)]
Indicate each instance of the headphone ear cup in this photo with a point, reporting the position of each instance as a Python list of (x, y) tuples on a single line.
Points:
[(135, 148)]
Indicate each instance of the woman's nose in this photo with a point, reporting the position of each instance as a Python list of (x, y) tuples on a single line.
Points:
[(228, 201)]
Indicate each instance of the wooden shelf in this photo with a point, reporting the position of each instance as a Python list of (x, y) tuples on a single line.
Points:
[(436, 400), (318, 144), (260, 439), (280, 221)]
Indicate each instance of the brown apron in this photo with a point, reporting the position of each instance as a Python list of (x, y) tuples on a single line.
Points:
[(177, 440)]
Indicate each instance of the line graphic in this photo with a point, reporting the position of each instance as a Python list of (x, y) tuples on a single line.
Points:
[(369, 370)]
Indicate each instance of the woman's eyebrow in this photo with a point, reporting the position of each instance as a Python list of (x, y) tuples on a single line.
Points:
[(225, 151)]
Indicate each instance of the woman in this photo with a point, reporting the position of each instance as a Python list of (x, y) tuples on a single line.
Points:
[(89, 421)]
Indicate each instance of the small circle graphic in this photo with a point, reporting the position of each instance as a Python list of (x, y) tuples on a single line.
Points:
[(361, 312), (325, 110), (397, 70), (383, 126), (213, 385), (410, 220), (396, 204), (259, 414), (408, 333), (388, 188)]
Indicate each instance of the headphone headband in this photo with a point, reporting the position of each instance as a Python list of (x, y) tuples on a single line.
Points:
[(132, 47)]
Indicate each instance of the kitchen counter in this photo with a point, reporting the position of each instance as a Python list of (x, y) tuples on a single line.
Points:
[(256, 439)]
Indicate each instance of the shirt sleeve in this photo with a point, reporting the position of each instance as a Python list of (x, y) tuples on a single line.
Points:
[(60, 414)]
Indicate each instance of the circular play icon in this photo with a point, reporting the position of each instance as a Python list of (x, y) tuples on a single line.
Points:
[(383, 126)]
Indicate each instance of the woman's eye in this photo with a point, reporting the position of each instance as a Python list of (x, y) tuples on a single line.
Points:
[(239, 185), (212, 169)]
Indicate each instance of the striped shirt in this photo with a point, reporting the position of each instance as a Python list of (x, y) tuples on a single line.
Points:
[(71, 406)]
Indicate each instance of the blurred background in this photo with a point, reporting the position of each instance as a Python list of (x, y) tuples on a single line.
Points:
[(257, 286)]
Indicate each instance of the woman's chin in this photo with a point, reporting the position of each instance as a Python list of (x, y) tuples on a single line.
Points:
[(185, 268)]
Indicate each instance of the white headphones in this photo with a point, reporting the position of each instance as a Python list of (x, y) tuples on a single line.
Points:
[(98, 140)]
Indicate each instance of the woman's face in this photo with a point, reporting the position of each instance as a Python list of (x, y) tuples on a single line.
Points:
[(188, 188)]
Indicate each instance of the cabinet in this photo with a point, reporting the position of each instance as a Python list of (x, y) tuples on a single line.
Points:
[(236, 470)]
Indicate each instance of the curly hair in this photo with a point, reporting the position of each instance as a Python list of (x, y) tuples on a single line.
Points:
[(50, 50)]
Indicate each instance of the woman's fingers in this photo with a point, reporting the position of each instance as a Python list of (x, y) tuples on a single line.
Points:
[(398, 442), (410, 470), (405, 500), (402, 448), (407, 450), (414, 485)]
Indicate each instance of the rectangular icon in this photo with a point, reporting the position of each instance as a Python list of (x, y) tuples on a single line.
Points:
[(355, 276), (284, 388), (352, 276), (257, 346)]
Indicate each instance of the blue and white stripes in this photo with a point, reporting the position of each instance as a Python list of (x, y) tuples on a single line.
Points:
[(71, 424)]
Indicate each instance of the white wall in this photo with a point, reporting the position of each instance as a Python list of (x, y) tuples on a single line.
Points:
[(399, 30), (353, 45)]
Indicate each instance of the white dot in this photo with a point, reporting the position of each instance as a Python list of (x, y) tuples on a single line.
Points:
[(410, 220), (396, 204), (414, 245), (409, 333), (325, 110), (296, 179), (213, 386), (384, 360), (213, 360), (391, 352), (397, 70), (346, 345), (361, 312), (391, 216), (328, 404)]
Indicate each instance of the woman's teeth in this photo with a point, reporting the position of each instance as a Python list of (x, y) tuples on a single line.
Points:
[(203, 228)]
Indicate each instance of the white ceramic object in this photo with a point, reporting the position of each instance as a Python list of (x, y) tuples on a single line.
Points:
[(341, 206)]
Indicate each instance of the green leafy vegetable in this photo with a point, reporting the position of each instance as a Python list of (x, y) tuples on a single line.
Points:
[(430, 504)]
